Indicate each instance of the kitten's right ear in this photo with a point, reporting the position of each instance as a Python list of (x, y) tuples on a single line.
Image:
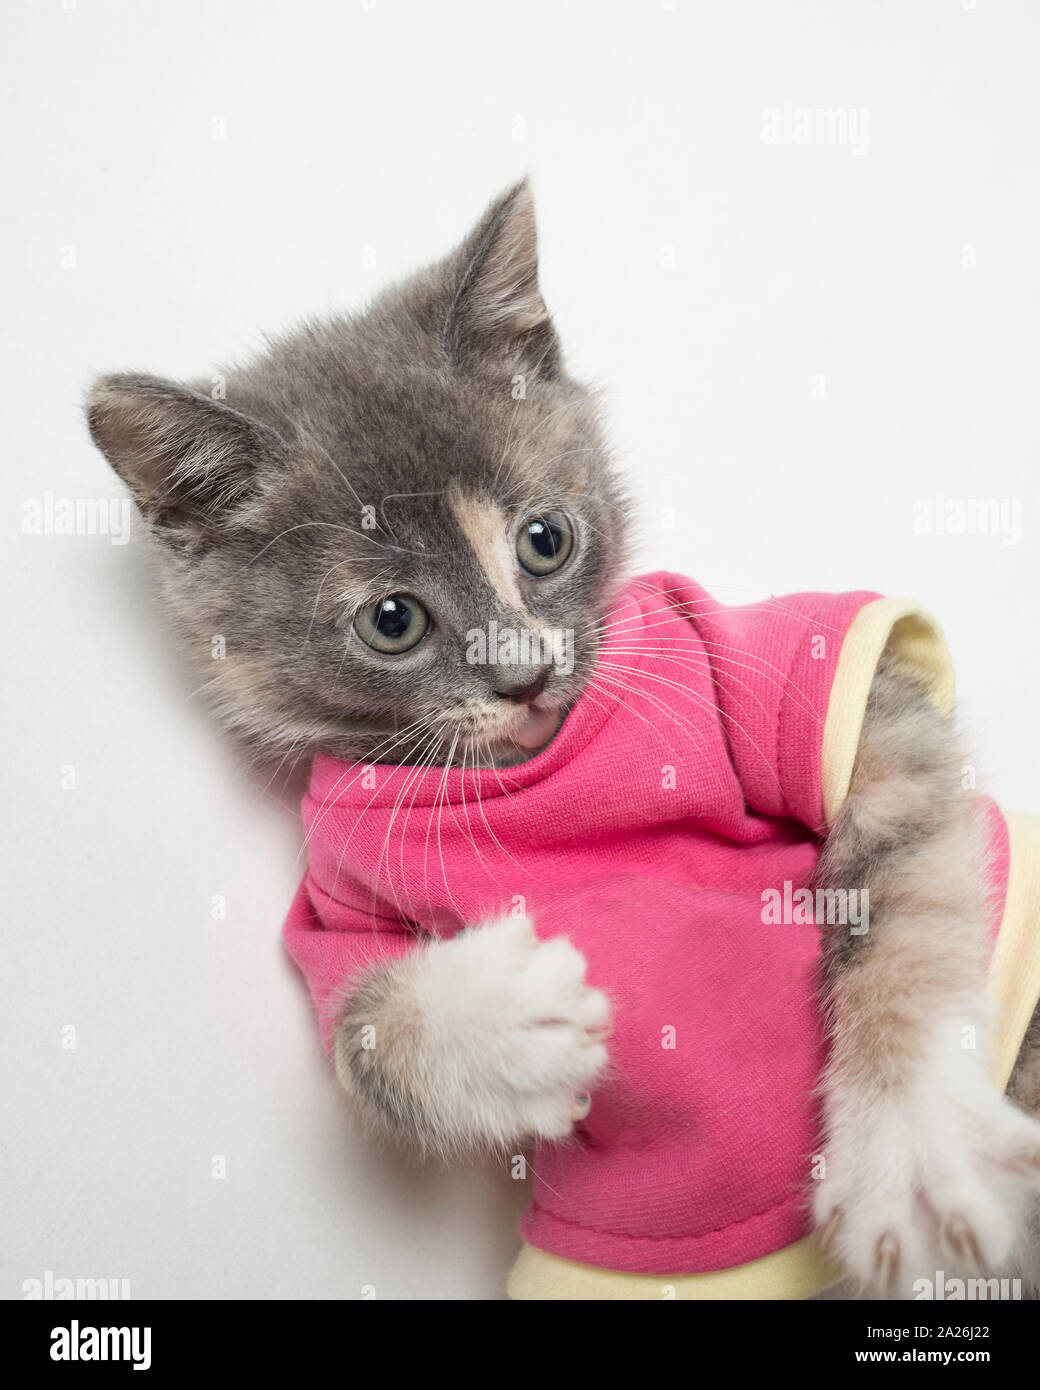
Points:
[(497, 312), (189, 460)]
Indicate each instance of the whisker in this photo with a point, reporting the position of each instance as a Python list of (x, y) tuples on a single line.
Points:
[(362, 764), (724, 714)]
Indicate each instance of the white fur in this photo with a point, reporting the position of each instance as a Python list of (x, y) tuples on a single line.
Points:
[(948, 1153), (508, 1038)]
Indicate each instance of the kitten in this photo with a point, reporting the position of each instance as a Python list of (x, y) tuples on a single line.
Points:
[(410, 453)]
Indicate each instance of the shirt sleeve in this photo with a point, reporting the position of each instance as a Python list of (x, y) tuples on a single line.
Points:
[(792, 677), (335, 945)]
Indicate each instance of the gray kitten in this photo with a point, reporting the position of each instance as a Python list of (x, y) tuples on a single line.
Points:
[(368, 491)]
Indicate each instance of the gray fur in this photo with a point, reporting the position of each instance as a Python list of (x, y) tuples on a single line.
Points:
[(905, 795), (907, 813), (379, 1078), (258, 500)]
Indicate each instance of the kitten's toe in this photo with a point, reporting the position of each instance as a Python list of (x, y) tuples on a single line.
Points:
[(887, 1262), (481, 1041), (873, 1234), (958, 1235), (934, 1183)]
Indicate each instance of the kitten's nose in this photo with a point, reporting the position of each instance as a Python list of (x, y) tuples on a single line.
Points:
[(527, 693)]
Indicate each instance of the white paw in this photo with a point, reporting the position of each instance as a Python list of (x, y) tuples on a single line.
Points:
[(480, 1041), (939, 1179)]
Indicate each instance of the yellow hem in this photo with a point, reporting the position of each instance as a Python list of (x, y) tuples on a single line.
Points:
[(1013, 986), (918, 638), (797, 1271)]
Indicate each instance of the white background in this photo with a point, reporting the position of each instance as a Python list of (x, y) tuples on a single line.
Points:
[(178, 178)]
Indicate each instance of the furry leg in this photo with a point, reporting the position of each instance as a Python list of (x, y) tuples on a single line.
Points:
[(927, 1166), (476, 1042)]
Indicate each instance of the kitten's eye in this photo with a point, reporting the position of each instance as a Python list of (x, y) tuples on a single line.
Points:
[(544, 543), (392, 625)]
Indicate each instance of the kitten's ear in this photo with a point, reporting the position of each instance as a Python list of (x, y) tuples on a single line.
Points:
[(497, 312), (189, 460)]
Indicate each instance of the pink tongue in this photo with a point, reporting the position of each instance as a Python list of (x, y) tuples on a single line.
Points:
[(538, 727)]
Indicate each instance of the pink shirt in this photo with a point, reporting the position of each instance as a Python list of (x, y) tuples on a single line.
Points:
[(677, 792)]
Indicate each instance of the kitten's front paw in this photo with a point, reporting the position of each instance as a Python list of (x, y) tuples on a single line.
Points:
[(477, 1042), (937, 1180)]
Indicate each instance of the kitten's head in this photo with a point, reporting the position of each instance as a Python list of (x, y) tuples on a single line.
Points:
[(373, 494)]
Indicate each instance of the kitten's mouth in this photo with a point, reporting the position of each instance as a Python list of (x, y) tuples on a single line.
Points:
[(504, 736), (537, 728)]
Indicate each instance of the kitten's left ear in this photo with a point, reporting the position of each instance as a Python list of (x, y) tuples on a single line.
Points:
[(497, 313), (189, 460)]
